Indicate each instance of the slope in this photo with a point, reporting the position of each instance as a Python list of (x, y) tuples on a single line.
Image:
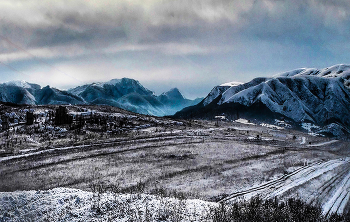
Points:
[(321, 97)]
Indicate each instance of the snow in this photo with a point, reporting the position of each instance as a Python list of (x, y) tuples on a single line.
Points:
[(323, 143), (305, 176), (336, 71), (302, 95), (87, 113), (282, 124), (22, 84), (290, 73), (244, 121), (231, 84), (99, 93), (318, 182), (113, 81), (65, 204), (340, 198), (100, 84), (214, 93), (311, 128), (220, 117), (271, 126)]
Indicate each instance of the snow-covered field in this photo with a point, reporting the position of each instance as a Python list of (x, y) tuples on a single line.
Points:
[(64, 204), (202, 159)]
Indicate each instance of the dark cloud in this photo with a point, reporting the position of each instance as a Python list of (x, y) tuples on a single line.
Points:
[(230, 38), (299, 22)]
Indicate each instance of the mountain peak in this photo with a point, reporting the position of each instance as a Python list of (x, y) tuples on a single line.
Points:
[(22, 84), (113, 81), (174, 93), (122, 81), (303, 95), (125, 93), (336, 71), (231, 84)]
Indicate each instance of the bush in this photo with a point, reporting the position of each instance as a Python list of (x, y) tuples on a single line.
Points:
[(257, 209)]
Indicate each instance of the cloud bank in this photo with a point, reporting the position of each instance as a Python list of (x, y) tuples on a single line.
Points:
[(204, 42)]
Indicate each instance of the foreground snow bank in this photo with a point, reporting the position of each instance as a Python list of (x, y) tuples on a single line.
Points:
[(65, 204)]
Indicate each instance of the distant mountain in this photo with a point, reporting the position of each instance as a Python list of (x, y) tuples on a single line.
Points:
[(48, 95), (113, 89), (124, 93), (174, 101), (19, 92), (129, 94), (317, 96)]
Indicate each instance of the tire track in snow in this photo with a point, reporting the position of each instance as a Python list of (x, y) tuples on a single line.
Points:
[(306, 175), (340, 198), (324, 191), (269, 184)]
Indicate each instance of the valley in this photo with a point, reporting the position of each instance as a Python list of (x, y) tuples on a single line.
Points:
[(215, 161), (175, 111)]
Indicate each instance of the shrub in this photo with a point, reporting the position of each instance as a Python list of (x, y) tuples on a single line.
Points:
[(257, 209)]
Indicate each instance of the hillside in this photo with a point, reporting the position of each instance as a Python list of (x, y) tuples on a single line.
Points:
[(317, 96)]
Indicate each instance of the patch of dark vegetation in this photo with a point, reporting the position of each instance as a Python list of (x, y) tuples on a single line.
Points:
[(180, 156), (163, 192), (257, 209)]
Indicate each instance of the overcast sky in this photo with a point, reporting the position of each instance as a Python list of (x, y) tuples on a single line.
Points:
[(190, 44)]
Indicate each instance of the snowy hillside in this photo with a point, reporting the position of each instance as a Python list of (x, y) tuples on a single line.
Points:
[(317, 96)]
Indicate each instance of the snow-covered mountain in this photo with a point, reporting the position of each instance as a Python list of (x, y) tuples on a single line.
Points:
[(129, 94), (21, 92), (48, 95), (113, 89), (125, 93), (318, 96), (174, 100)]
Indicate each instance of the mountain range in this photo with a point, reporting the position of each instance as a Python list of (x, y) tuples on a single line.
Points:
[(124, 93), (316, 96)]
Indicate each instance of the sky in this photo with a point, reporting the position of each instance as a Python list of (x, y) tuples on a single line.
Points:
[(193, 45)]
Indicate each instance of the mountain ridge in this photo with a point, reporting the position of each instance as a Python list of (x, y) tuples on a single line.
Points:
[(124, 93), (318, 96)]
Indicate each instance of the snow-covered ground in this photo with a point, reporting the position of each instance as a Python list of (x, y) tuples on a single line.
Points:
[(65, 204), (244, 121), (326, 183), (206, 158)]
